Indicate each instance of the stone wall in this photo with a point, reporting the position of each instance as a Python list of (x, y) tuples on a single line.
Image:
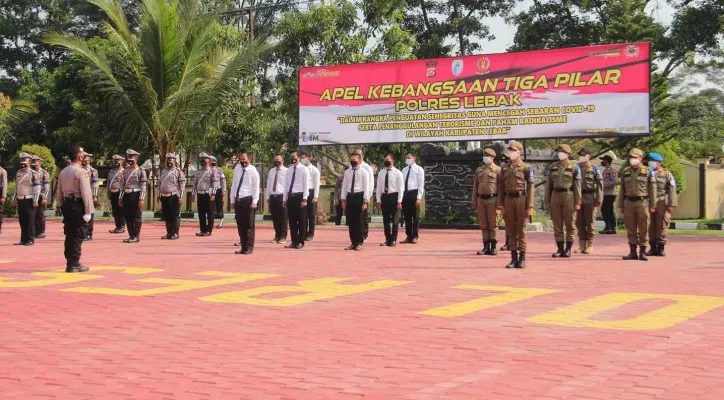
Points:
[(449, 179)]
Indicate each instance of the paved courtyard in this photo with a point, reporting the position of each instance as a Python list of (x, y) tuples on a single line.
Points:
[(189, 319)]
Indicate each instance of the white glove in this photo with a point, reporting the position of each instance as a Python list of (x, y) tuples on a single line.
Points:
[(86, 217)]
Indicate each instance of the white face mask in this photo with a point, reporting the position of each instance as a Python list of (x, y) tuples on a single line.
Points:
[(562, 155), (303, 161), (653, 164), (408, 161), (486, 160), (634, 161), (583, 159), (513, 155)]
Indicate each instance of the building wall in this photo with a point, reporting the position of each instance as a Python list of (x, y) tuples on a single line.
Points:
[(689, 199), (715, 191)]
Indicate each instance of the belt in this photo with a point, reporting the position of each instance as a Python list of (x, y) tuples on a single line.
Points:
[(167, 194), (115, 190), (131, 190), (243, 198), (355, 194), (295, 194), (661, 198), (515, 194), (30, 196), (201, 192), (411, 190), (634, 198), (72, 198), (276, 195), (488, 196), (390, 194), (559, 189), (588, 191)]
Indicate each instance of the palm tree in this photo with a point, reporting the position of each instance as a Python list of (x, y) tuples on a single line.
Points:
[(13, 112), (168, 80)]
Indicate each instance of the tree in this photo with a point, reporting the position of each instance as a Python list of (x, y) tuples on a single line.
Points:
[(169, 82), (12, 112)]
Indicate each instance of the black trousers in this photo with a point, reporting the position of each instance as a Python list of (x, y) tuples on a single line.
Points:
[(2, 215), (132, 213), (297, 218), (39, 218), (607, 211), (354, 218), (206, 212), (245, 219), (365, 223), (412, 214), (75, 229), (219, 205), (279, 216), (26, 217), (311, 214), (91, 224), (170, 209), (390, 216), (339, 214), (117, 211)]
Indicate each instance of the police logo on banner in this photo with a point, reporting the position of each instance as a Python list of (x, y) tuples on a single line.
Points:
[(457, 67)]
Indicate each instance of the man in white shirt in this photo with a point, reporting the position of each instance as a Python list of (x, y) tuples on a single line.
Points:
[(370, 188), (313, 197), (296, 190), (355, 200), (389, 199), (275, 184), (245, 196), (414, 186)]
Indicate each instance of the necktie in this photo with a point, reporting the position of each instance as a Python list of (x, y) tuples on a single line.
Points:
[(291, 184), (238, 189), (353, 176), (387, 181), (407, 178), (276, 175)]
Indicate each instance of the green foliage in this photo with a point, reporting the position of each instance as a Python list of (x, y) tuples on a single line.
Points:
[(42, 152), (228, 173), (672, 162), (10, 210), (12, 112)]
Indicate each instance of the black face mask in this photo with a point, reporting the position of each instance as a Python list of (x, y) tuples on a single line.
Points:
[(277, 163), (170, 164), (36, 167), (23, 164), (244, 164), (86, 163), (294, 160), (130, 160), (388, 164), (353, 163)]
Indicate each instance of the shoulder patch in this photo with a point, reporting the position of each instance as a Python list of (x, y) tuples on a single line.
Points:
[(530, 174), (577, 172)]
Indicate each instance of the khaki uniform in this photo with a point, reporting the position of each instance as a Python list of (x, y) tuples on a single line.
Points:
[(3, 193), (170, 191), (638, 190), (563, 192), (114, 183), (206, 184), (515, 193), (665, 198), (132, 192), (485, 193), (592, 194), (27, 194), (75, 199), (44, 193)]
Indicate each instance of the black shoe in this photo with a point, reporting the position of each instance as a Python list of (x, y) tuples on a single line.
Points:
[(21, 243), (392, 244), (661, 253), (358, 247), (504, 247), (289, 246), (653, 250), (29, 243), (117, 230), (521, 260), (493, 248), (486, 248), (567, 251), (77, 268), (350, 247), (88, 238), (642, 253), (560, 252), (632, 253), (200, 233), (415, 240), (40, 236), (513, 259), (309, 238), (173, 237), (168, 236), (132, 240), (406, 241), (384, 244)]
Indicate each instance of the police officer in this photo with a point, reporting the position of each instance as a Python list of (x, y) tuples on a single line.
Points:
[(485, 193), (506, 158), (170, 195), (114, 183), (27, 193), (95, 183), (636, 200), (205, 187), (563, 199), (3, 194), (389, 199), (313, 197), (76, 202), (610, 181), (133, 196), (666, 200), (516, 199), (219, 198), (43, 199), (591, 197)]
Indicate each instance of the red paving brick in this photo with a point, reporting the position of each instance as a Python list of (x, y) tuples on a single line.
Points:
[(370, 345)]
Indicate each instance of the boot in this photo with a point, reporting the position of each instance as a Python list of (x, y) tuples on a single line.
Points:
[(567, 252), (589, 247), (493, 248), (505, 246), (632, 253), (486, 248), (521, 260), (654, 250), (661, 252), (513, 260), (642, 253), (560, 251)]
